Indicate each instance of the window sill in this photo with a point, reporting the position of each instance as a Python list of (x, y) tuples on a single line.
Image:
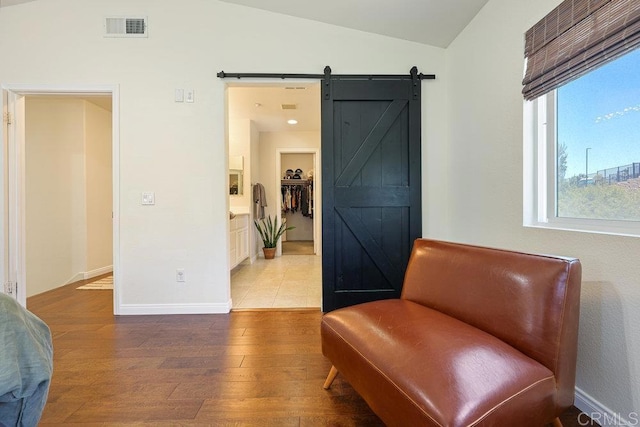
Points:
[(612, 228)]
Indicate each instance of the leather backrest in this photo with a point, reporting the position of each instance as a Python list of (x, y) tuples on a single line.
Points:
[(531, 302)]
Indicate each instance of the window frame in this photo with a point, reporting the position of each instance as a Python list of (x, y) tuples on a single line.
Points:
[(540, 175)]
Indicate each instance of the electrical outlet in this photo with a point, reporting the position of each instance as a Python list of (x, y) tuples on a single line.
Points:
[(9, 288), (180, 275)]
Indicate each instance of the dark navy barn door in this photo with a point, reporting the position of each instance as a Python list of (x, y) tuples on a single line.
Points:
[(371, 187)]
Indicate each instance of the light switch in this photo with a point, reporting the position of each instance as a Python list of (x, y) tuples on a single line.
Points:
[(190, 95), (148, 198), (179, 95)]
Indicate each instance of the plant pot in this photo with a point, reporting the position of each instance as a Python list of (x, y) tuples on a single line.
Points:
[(269, 253)]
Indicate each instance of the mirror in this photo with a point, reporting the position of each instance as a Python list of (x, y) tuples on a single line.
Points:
[(235, 182), (236, 169)]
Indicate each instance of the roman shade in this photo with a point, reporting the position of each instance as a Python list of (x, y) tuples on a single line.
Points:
[(575, 38)]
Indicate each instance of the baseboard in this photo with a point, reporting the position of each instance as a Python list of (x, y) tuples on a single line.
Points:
[(601, 414), (159, 309), (85, 275), (98, 272), (75, 278)]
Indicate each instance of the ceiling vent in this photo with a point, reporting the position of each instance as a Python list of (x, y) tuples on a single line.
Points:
[(125, 26), (289, 106)]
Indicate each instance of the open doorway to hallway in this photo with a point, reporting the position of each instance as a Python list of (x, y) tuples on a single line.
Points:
[(68, 190), (274, 134), (61, 191)]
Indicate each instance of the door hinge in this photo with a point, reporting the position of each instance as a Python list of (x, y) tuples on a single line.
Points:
[(6, 117), (9, 288)]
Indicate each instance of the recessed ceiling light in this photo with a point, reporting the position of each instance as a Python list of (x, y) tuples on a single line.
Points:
[(292, 121)]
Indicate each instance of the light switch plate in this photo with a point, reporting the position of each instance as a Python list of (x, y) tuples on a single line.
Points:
[(148, 198), (190, 95), (179, 95)]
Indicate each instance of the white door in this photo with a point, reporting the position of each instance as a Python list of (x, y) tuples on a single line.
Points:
[(13, 201)]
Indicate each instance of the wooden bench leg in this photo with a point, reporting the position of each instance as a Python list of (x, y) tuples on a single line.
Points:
[(557, 423), (332, 376)]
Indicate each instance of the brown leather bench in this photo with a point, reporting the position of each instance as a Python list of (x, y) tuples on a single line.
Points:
[(479, 336)]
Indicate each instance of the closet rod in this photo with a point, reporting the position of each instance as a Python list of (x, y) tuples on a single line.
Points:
[(295, 182)]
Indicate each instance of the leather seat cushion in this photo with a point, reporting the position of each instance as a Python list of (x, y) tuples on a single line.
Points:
[(443, 372)]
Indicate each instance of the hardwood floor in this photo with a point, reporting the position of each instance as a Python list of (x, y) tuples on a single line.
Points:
[(261, 368)]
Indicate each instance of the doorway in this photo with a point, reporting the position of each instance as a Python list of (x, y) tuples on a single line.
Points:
[(300, 200), (259, 132), (371, 146), (61, 186)]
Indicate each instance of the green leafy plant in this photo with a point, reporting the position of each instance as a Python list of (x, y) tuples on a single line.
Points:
[(270, 231)]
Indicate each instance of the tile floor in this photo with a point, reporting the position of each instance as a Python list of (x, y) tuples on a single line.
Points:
[(289, 281)]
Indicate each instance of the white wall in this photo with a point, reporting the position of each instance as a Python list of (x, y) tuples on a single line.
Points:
[(243, 138), (55, 199), (68, 191), (484, 178), (99, 191), (255, 243), (178, 150), (240, 145)]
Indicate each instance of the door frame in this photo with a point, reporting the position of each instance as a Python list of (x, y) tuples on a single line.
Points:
[(317, 193), (13, 178)]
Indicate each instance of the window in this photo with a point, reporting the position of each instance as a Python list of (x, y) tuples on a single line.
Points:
[(582, 118), (584, 152)]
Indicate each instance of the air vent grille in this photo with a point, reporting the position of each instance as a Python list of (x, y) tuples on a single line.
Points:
[(289, 106), (123, 26), (135, 26)]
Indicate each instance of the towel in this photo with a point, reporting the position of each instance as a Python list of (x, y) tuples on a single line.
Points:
[(259, 200)]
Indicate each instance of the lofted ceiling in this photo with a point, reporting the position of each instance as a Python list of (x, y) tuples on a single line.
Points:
[(431, 22), (4, 3)]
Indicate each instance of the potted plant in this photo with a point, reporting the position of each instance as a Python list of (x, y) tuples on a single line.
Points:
[(270, 232)]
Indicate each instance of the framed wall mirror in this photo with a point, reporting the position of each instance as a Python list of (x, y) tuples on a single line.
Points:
[(236, 169)]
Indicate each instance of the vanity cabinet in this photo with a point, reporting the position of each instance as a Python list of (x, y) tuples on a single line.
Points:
[(239, 240)]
